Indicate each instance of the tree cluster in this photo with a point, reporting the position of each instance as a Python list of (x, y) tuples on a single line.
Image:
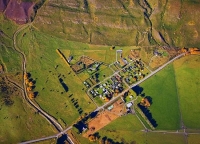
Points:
[(30, 85), (104, 140)]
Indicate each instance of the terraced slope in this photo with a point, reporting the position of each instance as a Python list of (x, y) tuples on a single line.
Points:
[(122, 22), (94, 21)]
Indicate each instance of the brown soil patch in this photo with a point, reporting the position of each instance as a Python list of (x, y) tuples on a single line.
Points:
[(118, 107), (158, 61), (134, 54), (87, 61), (84, 62), (104, 118), (99, 122)]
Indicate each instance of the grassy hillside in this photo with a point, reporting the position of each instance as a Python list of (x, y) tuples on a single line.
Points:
[(99, 22), (19, 122), (187, 72), (49, 69), (118, 22)]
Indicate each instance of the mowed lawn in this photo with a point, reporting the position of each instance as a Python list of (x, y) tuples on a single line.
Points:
[(162, 89), (47, 67), (187, 72), (19, 122)]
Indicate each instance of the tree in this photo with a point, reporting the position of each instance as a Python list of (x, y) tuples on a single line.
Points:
[(26, 81), (101, 141), (31, 95), (25, 76), (92, 138), (30, 83), (29, 89), (107, 141)]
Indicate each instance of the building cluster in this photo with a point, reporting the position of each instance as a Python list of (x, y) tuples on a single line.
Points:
[(133, 72), (106, 90), (85, 63)]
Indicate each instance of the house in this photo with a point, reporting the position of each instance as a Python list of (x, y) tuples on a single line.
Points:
[(110, 107), (128, 105)]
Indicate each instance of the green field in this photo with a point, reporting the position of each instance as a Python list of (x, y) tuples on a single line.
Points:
[(165, 138), (187, 70), (19, 122), (47, 68), (7, 26), (124, 129), (193, 138), (162, 89), (127, 129)]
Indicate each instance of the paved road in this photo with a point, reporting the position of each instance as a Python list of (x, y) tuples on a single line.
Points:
[(142, 80), (42, 112), (108, 103), (50, 137), (37, 140)]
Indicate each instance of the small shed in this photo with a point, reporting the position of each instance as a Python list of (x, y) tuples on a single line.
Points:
[(110, 107), (128, 105)]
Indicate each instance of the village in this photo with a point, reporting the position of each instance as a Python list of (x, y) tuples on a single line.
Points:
[(128, 70), (112, 94)]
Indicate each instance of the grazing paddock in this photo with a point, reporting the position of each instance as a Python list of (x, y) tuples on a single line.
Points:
[(187, 70), (193, 139), (98, 55), (162, 89), (47, 67)]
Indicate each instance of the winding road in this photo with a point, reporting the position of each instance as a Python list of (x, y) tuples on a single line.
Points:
[(50, 118), (25, 96), (110, 102)]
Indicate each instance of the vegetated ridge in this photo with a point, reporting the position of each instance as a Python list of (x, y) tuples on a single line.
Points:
[(122, 22), (116, 22)]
